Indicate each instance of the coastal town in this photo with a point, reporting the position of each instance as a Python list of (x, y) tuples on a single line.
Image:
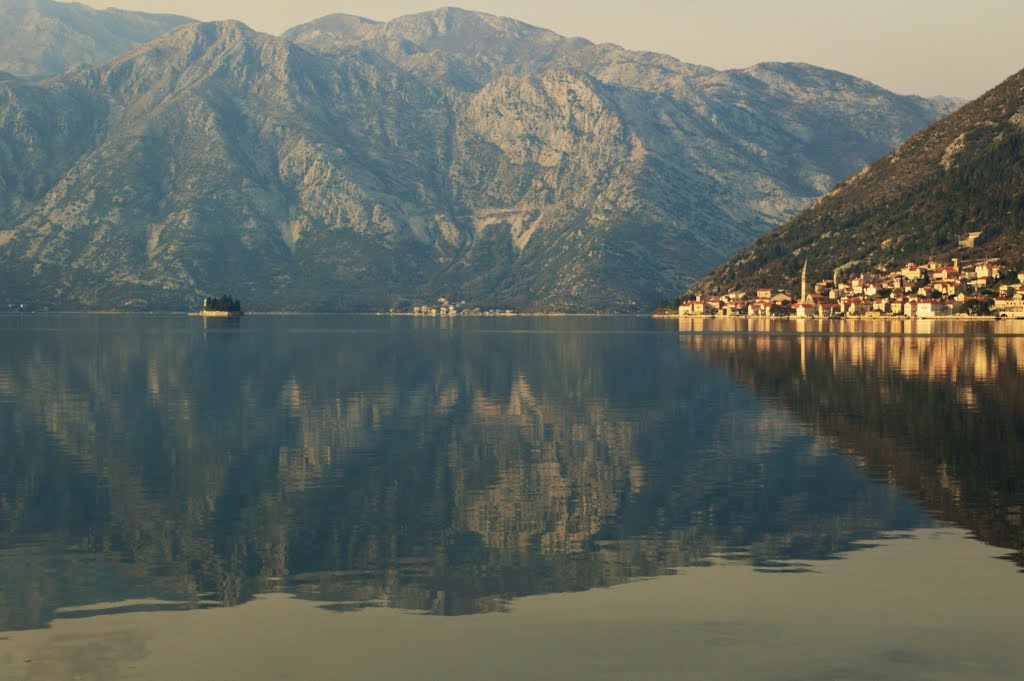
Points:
[(935, 289), (447, 308)]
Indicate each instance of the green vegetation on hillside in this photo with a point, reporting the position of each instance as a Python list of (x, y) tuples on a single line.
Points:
[(964, 174)]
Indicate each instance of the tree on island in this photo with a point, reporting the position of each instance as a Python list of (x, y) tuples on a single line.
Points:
[(223, 304)]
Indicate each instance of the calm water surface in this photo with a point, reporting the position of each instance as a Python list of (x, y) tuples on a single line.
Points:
[(526, 498)]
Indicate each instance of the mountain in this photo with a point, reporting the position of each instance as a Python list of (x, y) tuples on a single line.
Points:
[(43, 38), (963, 174), (461, 48), (363, 165)]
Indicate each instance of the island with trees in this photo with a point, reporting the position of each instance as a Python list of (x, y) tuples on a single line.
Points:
[(224, 306)]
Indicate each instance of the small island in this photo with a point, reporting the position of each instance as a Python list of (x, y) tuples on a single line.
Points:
[(224, 306)]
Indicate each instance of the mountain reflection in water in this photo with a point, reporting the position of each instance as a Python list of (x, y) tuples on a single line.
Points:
[(447, 466)]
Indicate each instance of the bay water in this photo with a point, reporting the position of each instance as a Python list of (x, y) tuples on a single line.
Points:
[(377, 497)]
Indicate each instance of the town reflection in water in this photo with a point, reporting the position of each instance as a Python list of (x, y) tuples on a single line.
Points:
[(933, 407), (448, 466)]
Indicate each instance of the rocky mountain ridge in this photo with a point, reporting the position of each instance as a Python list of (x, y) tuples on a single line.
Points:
[(352, 168)]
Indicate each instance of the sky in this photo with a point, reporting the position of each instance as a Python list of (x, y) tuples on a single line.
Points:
[(924, 47)]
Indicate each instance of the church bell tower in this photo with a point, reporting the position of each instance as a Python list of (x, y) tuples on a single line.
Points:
[(803, 284)]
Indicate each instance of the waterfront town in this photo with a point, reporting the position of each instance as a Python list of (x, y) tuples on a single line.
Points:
[(447, 308), (935, 289)]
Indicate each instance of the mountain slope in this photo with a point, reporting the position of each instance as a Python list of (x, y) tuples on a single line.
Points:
[(961, 175), (43, 38), (379, 172), (223, 146)]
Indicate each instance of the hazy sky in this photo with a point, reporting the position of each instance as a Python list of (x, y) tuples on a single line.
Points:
[(926, 47)]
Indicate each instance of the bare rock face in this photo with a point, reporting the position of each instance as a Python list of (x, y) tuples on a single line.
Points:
[(359, 165), (540, 120)]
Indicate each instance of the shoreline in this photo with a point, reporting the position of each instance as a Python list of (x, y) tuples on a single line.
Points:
[(948, 318), (583, 315), (178, 313), (283, 313)]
